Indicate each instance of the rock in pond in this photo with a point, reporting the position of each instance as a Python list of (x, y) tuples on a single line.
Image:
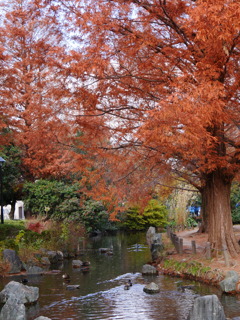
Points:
[(148, 269), (151, 288), (77, 263), (13, 309), (24, 294), (150, 235), (34, 270), (73, 287), (45, 261), (154, 241), (207, 308), (11, 257), (229, 284), (54, 256)]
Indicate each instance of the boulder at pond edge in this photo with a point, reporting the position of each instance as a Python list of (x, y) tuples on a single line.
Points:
[(23, 293), (11, 257), (207, 308), (229, 284), (13, 309), (148, 269)]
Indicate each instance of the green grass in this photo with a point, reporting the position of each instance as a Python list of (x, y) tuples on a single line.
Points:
[(10, 229)]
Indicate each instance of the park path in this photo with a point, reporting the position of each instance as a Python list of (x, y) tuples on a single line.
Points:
[(201, 241), (200, 238), (189, 235)]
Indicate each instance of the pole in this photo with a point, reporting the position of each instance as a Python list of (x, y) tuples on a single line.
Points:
[(1, 196)]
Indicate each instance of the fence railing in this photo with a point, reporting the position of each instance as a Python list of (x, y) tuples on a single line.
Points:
[(207, 249)]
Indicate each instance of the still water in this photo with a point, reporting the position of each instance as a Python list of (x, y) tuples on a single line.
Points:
[(101, 294)]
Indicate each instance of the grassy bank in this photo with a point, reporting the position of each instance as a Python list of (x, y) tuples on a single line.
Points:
[(189, 265)]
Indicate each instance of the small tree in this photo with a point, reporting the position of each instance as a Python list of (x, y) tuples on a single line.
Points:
[(133, 220), (155, 214), (94, 216), (51, 198)]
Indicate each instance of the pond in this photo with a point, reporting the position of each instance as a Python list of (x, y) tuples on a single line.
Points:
[(101, 294)]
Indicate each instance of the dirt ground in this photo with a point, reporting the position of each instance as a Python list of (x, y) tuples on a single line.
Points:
[(201, 240)]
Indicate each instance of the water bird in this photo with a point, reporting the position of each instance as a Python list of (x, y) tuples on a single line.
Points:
[(24, 280), (128, 285), (66, 276), (85, 269)]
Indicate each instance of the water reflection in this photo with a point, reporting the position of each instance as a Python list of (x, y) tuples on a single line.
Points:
[(102, 295)]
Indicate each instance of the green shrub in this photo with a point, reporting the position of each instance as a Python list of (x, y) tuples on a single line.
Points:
[(68, 209), (8, 244), (10, 229), (94, 216), (191, 222), (51, 197), (172, 223), (133, 220), (235, 202), (236, 215), (154, 214)]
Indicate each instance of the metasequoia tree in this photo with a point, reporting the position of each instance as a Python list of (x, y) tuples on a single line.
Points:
[(32, 82), (166, 79)]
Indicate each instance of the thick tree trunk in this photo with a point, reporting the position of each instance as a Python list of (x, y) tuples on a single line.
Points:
[(218, 213), (204, 213)]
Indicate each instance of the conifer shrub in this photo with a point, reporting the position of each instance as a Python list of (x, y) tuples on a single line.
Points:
[(133, 219), (154, 214)]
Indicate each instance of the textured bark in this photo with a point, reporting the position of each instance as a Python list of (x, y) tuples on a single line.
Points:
[(204, 213), (218, 212)]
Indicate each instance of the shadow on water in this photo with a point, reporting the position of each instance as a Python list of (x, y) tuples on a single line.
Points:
[(101, 294)]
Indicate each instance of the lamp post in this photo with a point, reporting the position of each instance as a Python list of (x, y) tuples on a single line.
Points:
[(1, 189)]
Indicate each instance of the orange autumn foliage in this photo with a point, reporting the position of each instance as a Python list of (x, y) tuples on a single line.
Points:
[(32, 101), (149, 88), (166, 77)]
